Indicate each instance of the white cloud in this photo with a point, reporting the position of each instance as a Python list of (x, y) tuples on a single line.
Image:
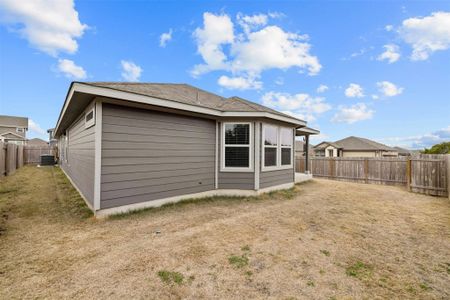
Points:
[(426, 35), (375, 97), (130, 71), (391, 53), (420, 141), (388, 27), (322, 88), (36, 128), (299, 105), (389, 89), (239, 83), (352, 114), (70, 69), (249, 23), (165, 38), (254, 49), (217, 30), (51, 26), (354, 91)]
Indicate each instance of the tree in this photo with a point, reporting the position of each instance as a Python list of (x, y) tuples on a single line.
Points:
[(442, 148)]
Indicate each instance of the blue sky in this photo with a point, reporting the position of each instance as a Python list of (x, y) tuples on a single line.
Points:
[(383, 68)]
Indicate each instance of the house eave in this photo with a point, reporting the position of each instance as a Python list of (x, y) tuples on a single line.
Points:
[(78, 87)]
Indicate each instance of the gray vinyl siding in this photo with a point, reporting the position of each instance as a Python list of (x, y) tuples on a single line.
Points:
[(80, 166), (272, 178), (234, 180), (149, 155)]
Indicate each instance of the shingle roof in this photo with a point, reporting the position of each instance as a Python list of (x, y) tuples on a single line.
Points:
[(187, 94), (358, 143), (14, 121), (325, 144)]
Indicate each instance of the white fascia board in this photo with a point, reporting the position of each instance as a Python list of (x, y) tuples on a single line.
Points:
[(111, 93)]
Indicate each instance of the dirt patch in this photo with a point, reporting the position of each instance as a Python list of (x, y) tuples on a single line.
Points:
[(323, 240)]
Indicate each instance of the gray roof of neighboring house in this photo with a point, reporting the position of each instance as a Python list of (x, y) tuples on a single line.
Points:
[(402, 150), (11, 121), (184, 93), (358, 143), (300, 144), (325, 144), (36, 141)]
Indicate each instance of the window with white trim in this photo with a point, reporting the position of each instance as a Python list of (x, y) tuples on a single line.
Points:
[(277, 147), (270, 145), (20, 130), (236, 146), (286, 146)]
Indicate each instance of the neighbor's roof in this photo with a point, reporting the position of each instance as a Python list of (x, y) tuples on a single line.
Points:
[(176, 96), (402, 150), (358, 143), (188, 94), (325, 144), (36, 141), (12, 121)]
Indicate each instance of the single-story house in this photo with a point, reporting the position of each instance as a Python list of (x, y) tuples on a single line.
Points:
[(37, 142), (13, 129), (127, 146), (300, 147), (354, 147), (403, 151)]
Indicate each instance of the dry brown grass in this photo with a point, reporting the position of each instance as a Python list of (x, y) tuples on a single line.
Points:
[(331, 240)]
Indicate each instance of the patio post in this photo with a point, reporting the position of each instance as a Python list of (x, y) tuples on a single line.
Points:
[(307, 154)]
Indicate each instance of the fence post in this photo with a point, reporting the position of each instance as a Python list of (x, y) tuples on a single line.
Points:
[(448, 175), (408, 174), (366, 170)]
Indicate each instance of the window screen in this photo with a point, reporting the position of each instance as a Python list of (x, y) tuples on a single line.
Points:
[(236, 145)]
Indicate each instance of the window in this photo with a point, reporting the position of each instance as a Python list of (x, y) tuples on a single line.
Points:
[(277, 147), (330, 152), (89, 118), (236, 150), (21, 130), (270, 145), (286, 146)]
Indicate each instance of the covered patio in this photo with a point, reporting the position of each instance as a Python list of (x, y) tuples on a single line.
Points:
[(305, 132)]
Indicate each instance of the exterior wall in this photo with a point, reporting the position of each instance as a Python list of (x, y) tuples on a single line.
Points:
[(359, 154), (276, 177), (13, 129), (235, 180), (335, 151), (149, 155), (79, 163)]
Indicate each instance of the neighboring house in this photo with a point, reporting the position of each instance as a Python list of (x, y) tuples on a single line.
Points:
[(37, 142), (13, 129), (354, 147), (300, 149), (51, 138), (133, 145), (403, 151)]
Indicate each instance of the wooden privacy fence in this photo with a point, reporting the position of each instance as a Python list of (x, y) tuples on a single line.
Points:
[(14, 156), (32, 154), (427, 174)]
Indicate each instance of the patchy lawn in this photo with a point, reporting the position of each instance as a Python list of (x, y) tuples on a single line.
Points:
[(323, 240)]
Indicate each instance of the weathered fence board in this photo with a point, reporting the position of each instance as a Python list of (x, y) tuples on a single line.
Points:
[(11, 159), (426, 174), (32, 154), (429, 176), (2, 159)]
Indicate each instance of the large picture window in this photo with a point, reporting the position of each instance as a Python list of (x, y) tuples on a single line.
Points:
[(277, 147), (237, 140)]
